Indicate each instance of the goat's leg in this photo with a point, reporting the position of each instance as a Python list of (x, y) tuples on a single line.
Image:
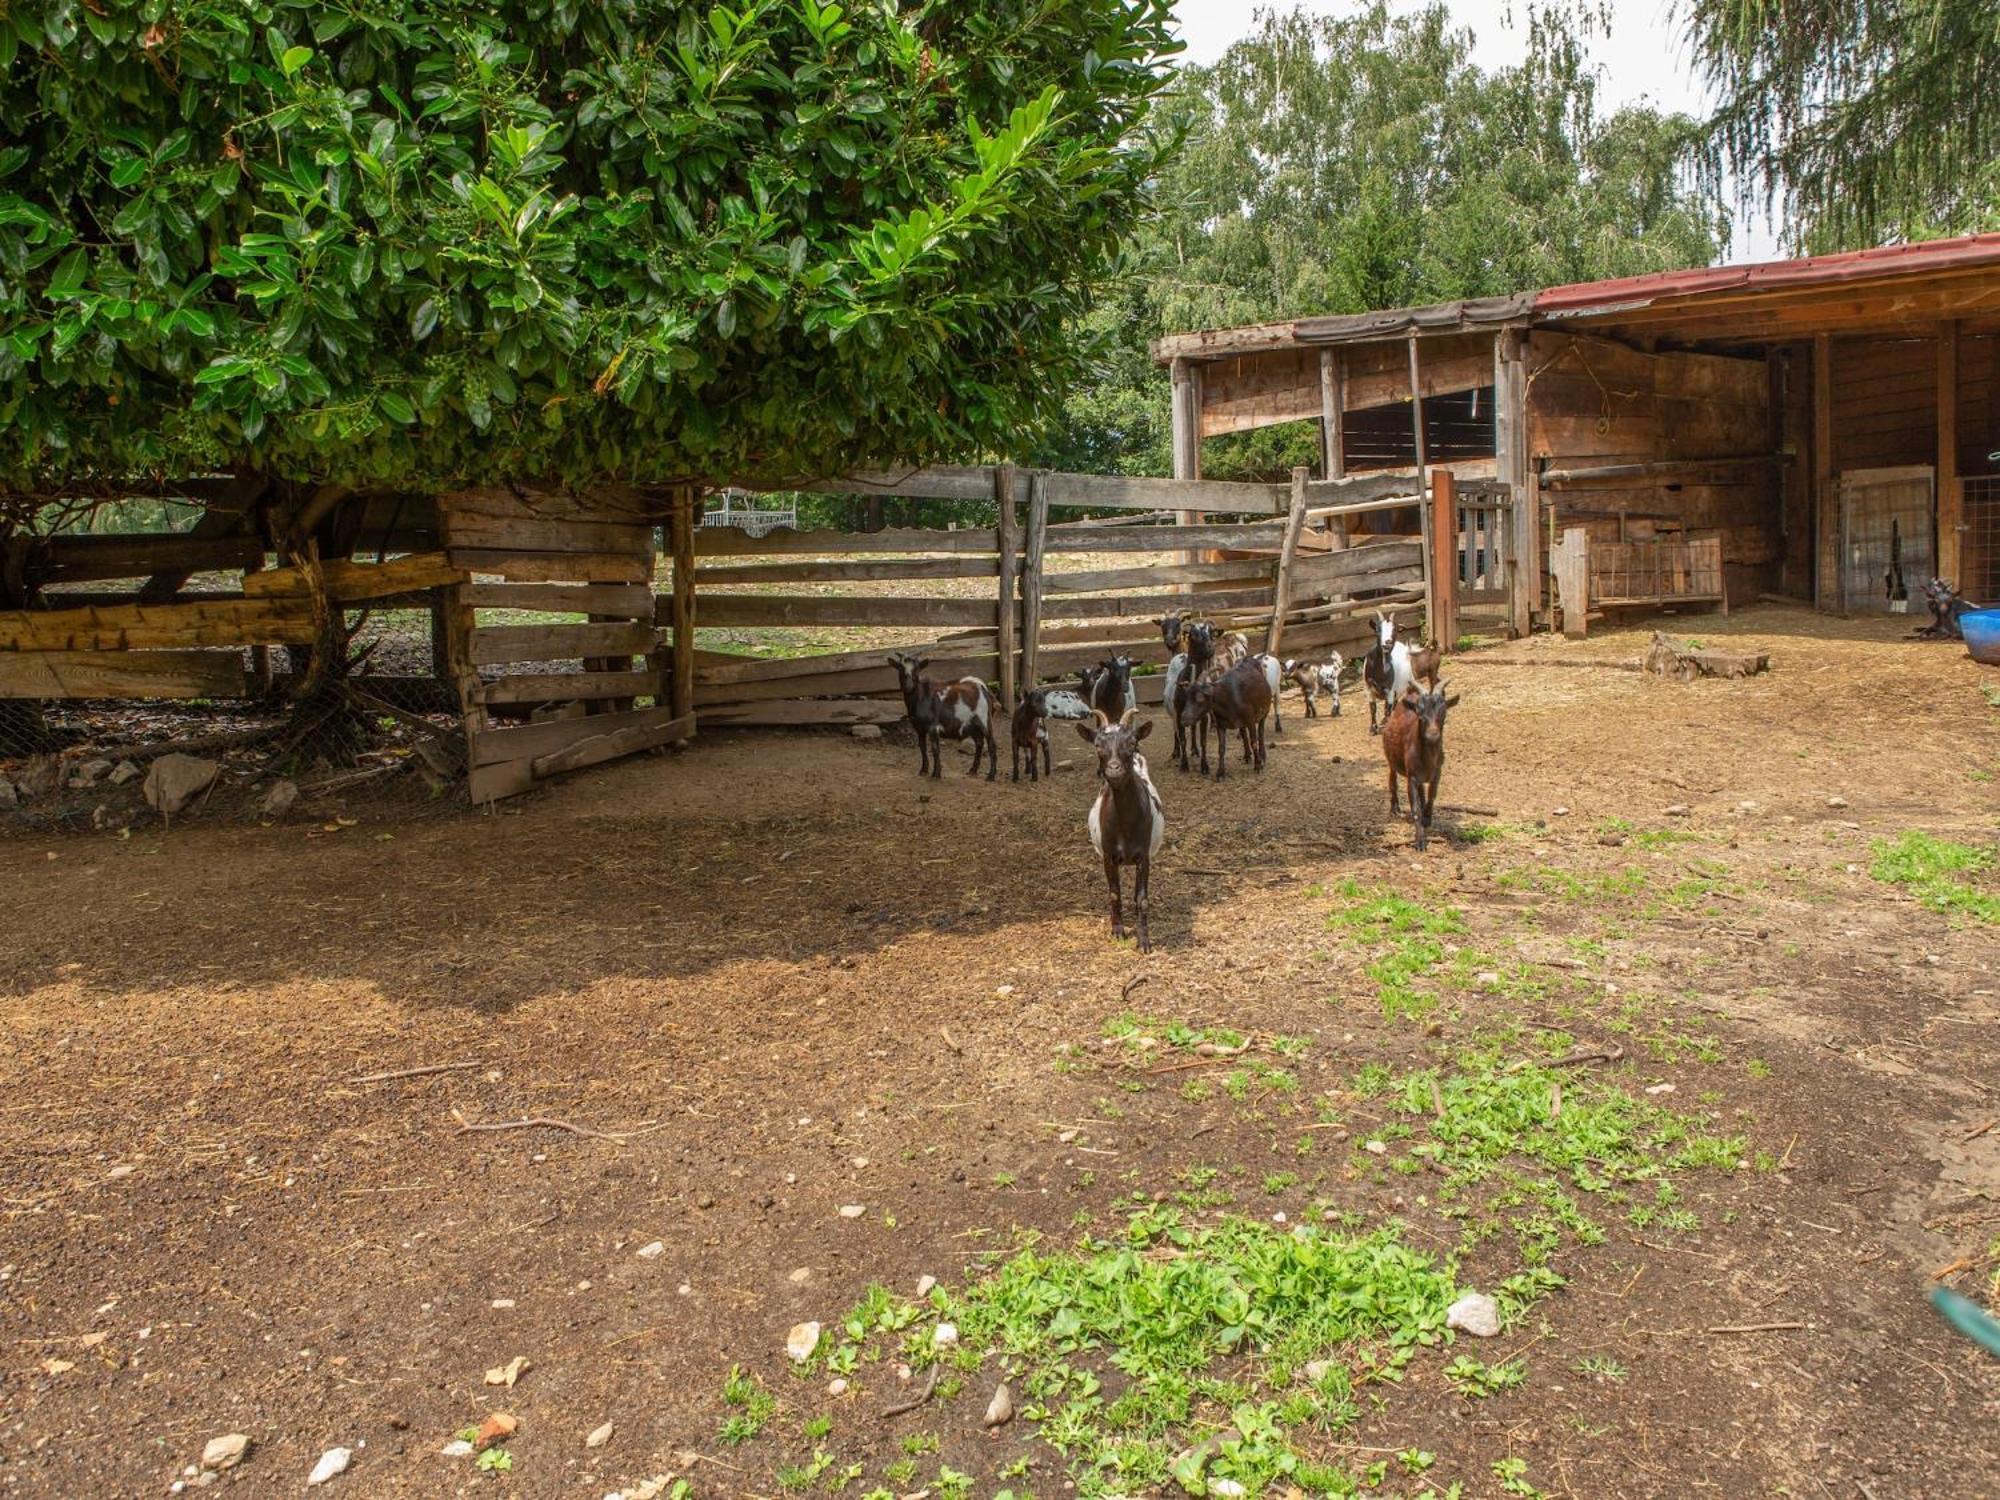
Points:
[(1221, 749), (992, 755), (1394, 806), (1260, 744), (1048, 760), (937, 754), (1140, 879), (1277, 715), (1117, 911), (923, 750)]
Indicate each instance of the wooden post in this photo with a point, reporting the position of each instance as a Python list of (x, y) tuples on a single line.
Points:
[(1333, 430), (1950, 492), (1417, 412), (1281, 600), (1830, 526), (680, 540), (1510, 437), (1006, 612), (1570, 563), (1187, 436), (1031, 579), (1424, 526), (1444, 559)]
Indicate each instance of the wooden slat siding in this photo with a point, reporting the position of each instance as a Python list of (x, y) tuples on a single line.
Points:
[(1287, 562), (616, 504), (94, 558), (1273, 388), (571, 537), (1032, 578), (1106, 580), (848, 572), (1356, 564), (1950, 494), (350, 582), (122, 674), (661, 727), (1360, 489), (495, 644), (858, 682), (1144, 606), (1120, 492), (1007, 617), (684, 604), (621, 601), (222, 622), (764, 669), (728, 541), (804, 711), (1164, 538), (559, 687), (524, 742), (548, 567), (798, 609)]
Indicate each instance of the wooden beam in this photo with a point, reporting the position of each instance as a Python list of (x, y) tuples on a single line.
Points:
[(810, 609), (849, 572), (1571, 565), (1442, 606), (121, 627), (1163, 538), (1143, 606), (620, 601), (795, 711), (90, 558), (1100, 580), (1186, 414), (1031, 579), (1190, 493), (495, 644), (1951, 527), (681, 530), (553, 567), (729, 541), (122, 674), (221, 520), (1423, 483), (465, 529), (561, 687), (1007, 607), (1510, 434), (350, 582), (1332, 416), (765, 669), (1684, 470), (663, 728), (1287, 557), (1830, 591)]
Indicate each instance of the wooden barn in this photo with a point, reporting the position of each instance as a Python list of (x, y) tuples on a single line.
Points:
[(1824, 429)]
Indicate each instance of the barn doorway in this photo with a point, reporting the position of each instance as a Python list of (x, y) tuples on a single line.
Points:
[(1886, 516)]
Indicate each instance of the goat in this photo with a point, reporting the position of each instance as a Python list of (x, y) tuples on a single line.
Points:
[(1107, 687), (1413, 744), (1946, 608), (1314, 678), (1426, 662), (1127, 821), (1385, 670), (1237, 699), (1170, 630), (1274, 674), (961, 710), (1232, 648), (1031, 729)]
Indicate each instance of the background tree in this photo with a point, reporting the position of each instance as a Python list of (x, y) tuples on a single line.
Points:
[(406, 243), (1338, 165), (1863, 121)]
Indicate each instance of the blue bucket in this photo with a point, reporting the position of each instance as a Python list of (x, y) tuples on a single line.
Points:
[(1982, 635)]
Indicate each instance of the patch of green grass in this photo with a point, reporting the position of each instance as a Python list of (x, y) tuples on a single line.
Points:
[(753, 1407), (1600, 1367), (1928, 865)]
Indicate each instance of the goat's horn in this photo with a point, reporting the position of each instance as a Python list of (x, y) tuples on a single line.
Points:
[(1125, 719), (1103, 721)]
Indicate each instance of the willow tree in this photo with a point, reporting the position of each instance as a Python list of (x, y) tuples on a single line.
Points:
[(409, 243), (1862, 121)]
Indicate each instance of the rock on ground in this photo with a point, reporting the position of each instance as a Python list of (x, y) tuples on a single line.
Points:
[(1475, 1313), (177, 780), (125, 771), (281, 799), (802, 1341), (333, 1461), (225, 1452), (866, 731)]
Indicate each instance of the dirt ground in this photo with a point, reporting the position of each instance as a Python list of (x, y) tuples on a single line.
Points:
[(811, 980)]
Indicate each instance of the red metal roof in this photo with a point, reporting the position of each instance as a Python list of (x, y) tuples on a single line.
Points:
[(1812, 270)]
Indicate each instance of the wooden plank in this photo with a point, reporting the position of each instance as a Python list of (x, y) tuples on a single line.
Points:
[(221, 622), (521, 535), (1006, 606), (84, 557), (1356, 565), (807, 711), (617, 504), (560, 687), (1103, 580), (800, 609), (1376, 484), (849, 572), (1124, 492), (728, 541), (858, 682), (122, 674), (683, 603), (1831, 589), (765, 669), (930, 482), (348, 582), (503, 779), (1441, 607), (1570, 563), (1287, 560), (493, 644), (1032, 576), (1268, 534), (1951, 527), (1144, 606), (621, 601), (553, 567), (664, 728), (525, 742)]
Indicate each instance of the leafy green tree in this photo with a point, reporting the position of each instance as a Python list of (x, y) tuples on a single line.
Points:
[(407, 242), (1863, 121), (1335, 165)]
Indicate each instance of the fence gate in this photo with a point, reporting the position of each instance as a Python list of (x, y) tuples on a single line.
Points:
[(1886, 517)]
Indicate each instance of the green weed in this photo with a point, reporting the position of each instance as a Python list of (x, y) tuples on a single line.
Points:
[(1927, 866)]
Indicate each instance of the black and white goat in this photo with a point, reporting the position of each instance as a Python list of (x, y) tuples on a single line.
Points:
[(1127, 820), (1947, 608), (1315, 677), (1385, 670), (961, 710), (1107, 687), (1183, 672)]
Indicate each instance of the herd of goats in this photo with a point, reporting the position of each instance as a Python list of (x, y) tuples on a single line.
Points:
[(1213, 682)]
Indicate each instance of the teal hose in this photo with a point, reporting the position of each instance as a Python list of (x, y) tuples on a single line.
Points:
[(1968, 1318)]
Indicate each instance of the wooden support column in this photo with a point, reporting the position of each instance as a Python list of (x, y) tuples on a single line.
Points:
[(1830, 590), (1333, 429), (680, 541), (1510, 437), (1031, 579), (1423, 487), (1570, 563), (1442, 607), (1950, 492), (1007, 609), (1187, 437), (1287, 554)]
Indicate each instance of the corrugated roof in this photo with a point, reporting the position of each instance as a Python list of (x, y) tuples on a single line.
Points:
[(1813, 270)]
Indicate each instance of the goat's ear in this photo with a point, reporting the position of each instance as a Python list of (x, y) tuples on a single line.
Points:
[(920, 663), (1144, 729), (1085, 733)]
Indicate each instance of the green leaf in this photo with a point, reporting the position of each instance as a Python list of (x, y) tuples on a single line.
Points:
[(396, 407), (424, 319), (68, 278), (294, 59)]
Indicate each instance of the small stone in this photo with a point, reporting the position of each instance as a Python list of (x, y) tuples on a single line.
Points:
[(1836, 802), (1003, 991), (1066, 1136), (125, 771), (456, 1448), (853, 1210), (837, 1386), (172, 783), (944, 1335), (1229, 1489), (1678, 810), (1486, 978), (1660, 1088), (1065, 765), (90, 772), (598, 1437), (1279, 1217), (333, 1461), (1000, 1410), (802, 1341), (651, 1251), (1375, 1148), (1316, 1369), (1559, 812), (225, 1452), (801, 1276), (1746, 805), (501, 1304), (925, 1286), (281, 799), (866, 731), (1475, 1313)]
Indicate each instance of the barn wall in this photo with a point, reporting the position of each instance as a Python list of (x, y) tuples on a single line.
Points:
[(1593, 403), (1885, 403)]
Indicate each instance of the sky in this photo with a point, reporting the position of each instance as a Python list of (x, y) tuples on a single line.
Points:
[(1642, 58)]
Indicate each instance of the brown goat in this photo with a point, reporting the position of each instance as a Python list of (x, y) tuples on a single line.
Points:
[(1031, 730), (1238, 699), (1413, 744), (1426, 663), (1126, 821)]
